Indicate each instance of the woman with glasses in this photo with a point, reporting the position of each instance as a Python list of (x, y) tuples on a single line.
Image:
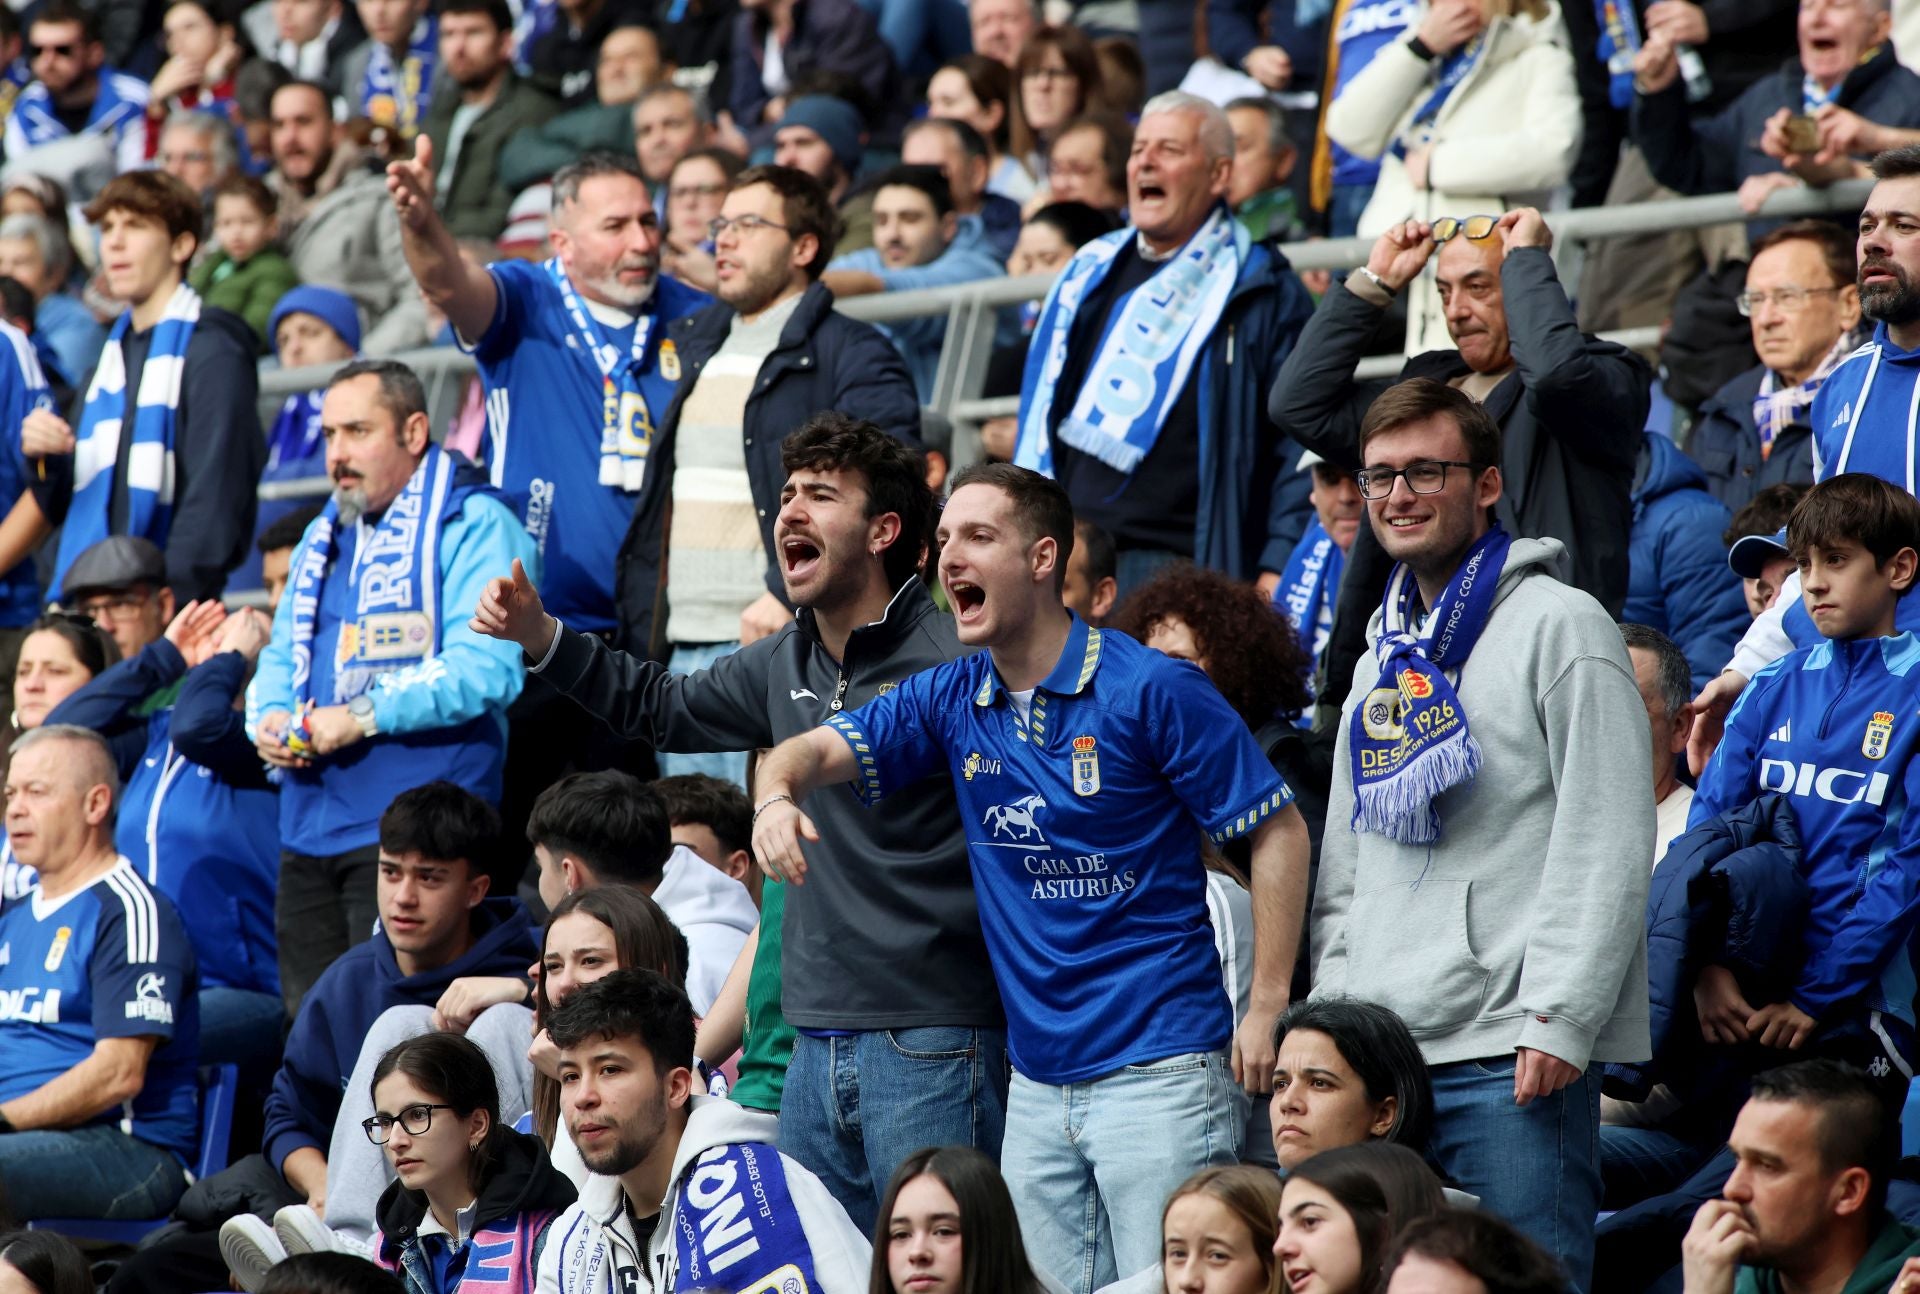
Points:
[(466, 1190), (1056, 80)]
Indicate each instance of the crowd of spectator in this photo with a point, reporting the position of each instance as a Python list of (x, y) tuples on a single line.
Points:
[(698, 810)]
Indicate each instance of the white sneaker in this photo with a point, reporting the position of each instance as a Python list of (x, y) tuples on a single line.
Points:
[(250, 1249), (302, 1232)]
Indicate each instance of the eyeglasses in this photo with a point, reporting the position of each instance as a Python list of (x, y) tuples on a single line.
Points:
[(121, 606), (1421, 478), (416, 1119), (1473, 228), (1790, 300), (745, 224), (58, 51), (1049, 74)]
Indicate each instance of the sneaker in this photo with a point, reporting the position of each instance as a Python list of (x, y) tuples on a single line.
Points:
[(251, 1249), (302, 1232)]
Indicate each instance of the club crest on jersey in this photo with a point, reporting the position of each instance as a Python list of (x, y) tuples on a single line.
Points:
[(1879, 733), (58, 952), (1086, 766), (669, 361)]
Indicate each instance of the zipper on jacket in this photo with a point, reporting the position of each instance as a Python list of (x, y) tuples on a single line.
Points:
[(1846, 682), (1230, 344)]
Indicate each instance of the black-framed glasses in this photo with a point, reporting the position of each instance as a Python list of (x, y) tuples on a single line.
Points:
[(1790, 300), (415, 1119), (1421, 478), (745, 224), (1472, 228)]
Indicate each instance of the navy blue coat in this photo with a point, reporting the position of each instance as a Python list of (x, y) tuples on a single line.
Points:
[(1726, 444), (824, 361), (1728, 892), (1677, 576)]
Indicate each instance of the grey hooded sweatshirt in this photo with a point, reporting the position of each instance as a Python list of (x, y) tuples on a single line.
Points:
[(1524, 925)]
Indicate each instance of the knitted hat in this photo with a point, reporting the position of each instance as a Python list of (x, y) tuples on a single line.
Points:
[(834, 120), (330, 306)]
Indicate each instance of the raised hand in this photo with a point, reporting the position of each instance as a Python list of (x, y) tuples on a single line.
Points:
[(194, 630), (1401, 253), (1524, 227), (410, 184), (510, 610), (1449, 24), (246, 632)]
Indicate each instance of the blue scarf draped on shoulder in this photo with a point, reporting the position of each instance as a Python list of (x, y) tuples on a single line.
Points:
[(1152, 338), (396, 95), (736, 1227), (1410, 741), (1306, 592)]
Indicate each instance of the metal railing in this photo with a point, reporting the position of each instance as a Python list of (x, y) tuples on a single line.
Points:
[(973, 310)]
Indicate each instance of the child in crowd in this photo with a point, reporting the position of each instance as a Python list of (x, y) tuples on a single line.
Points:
[(247, 274), (1832, 728)]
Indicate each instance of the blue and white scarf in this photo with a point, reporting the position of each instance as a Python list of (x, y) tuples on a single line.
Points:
[(1619, 42), (395, 587), (735, 1226), (103, 420), (1409, 737), (626, 423), (396, 95), (1153, 338), (297, 442), (1448, 73), (1306, 591), (121, 99)]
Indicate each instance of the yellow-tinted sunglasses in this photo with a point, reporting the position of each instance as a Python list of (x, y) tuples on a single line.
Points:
[(1473, 228)]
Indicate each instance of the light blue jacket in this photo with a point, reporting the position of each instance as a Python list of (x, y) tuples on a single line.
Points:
[(969, 258)]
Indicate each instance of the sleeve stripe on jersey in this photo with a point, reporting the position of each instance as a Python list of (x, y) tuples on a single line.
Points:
[(1246, 822), (143, 920)]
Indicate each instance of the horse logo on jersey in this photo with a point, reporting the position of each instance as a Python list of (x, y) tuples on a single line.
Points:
[(1879, 733), (1086, 766), (1017, 819), (58, 952)]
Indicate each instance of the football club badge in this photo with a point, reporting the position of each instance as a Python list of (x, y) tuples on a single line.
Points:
[(669, 361), (1879, 733), (58, 952), (1086, 766)]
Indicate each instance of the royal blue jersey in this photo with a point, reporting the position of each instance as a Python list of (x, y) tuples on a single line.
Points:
[(1083, 827), (1365, 27), (1834, 728), (544, 418), (23, 388), (106, 961)]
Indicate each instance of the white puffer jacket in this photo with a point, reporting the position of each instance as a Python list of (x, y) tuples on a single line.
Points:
[(1506, 136)]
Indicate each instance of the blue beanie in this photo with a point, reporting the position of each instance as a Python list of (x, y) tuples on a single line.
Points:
[(331, 307), (834, 120)]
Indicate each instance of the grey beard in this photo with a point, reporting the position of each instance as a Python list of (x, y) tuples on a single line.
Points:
[(1891, 305), (351, 503)]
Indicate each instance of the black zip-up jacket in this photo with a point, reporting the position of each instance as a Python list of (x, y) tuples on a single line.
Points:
[(891, 886)]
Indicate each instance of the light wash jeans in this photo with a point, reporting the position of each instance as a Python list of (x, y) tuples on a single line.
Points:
[(855, 1106), (1091, 1164), (730, 766), (357, 1170)]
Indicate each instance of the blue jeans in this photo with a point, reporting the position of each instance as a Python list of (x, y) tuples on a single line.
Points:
[(97, 1172), (1638, 1163), (1091, 1164), (690, 658), (855, 1106), (1133, 567), (241, 1027), (1537, 1165)]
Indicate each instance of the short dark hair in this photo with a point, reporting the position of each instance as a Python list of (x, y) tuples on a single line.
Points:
[(712, 802), (1670, 669), (62, 12), (329, 1273), (1856, 1129), (805, 204), (971, 141), (1765, 513), (150, 195), (1855, 508), (1077, 222), (927, 179), (609, 820), (401, 393), (250, 187), (299, 83), (1834, 243), (1420, 398), (497, 10), (50, 1262), (287, 531), (990, 82), (726, 159), (254, 86), (1377, 1046), (896, 479), (443, 822), (629, 1003), (453, 1070), (1490, 1249), (1091, 538), (1116, 141), (1896, 163), (1279, 143), (1040, 505)]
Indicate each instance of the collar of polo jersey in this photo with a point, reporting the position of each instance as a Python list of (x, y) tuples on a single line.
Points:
[(1071, 673)]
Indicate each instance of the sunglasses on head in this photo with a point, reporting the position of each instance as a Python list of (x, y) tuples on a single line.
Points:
[(1473, 228)]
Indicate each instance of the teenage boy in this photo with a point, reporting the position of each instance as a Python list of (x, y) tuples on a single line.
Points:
[(1831, 727), (1087, 769), (166, 443), (685, 1193)]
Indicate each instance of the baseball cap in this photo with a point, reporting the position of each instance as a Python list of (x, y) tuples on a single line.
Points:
[(1751, 553), (115, 563)]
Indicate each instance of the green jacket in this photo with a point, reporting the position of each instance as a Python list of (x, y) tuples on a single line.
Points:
[(1896, 1243), (249, 288), (474, 199), (535, 153)]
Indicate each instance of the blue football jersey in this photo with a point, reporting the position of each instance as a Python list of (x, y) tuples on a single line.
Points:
[(107, 961)]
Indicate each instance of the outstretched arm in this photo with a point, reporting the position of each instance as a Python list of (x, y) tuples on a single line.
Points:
[(795, 768), (462, 291)]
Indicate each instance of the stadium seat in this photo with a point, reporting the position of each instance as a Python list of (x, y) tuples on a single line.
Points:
[(218, 1084)]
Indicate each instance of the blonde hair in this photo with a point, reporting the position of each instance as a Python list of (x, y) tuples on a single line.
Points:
[(1251, 1194)]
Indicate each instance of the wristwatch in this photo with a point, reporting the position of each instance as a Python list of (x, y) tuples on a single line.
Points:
[(361, 708)]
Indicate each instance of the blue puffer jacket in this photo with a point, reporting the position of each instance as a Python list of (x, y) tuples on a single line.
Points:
[(1729, 892), (1678, 581), (1726, 445)]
